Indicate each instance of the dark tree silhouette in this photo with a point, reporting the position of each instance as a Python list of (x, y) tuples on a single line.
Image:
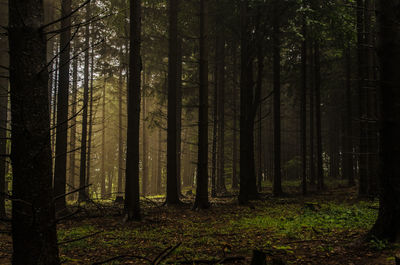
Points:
[(132, 200), (33, 219)]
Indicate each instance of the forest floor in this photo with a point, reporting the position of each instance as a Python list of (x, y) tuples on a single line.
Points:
[(322, 228)]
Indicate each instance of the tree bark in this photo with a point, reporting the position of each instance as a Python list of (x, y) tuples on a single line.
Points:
[(303, 114), (172, 170), (145, 174), (320, 172), (132, 200), (201, 201), (4, 61), (120, 129), (72, 139), (277, 186), (103, 142), (386, 226), (82, 175), (348, 128), (33, 216)]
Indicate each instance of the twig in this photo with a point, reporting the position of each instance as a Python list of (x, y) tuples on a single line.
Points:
[(121, 257), (167, 254), (78, 239)]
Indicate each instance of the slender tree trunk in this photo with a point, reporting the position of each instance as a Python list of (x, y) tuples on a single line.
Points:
[(82, 175), (386, 227), (172, 170), (60, 170), (72, 139), (159, 166), (371, 101), (179, 118), (132, 200), (103, 142), (90, 133), (348, 128), (214, 138), (145, 175), (277, 186), (320, 175), (363, 145), (221, 188), (235, 182), (303, 114), (201, 201), (33, 216), (120, 129), (4, 61)]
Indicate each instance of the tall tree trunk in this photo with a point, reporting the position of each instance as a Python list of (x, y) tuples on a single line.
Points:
[(214, 136), (90, 132), (303, 113), (172, 170), (60, 170), (82, 175), (320, 172), (103, 142), (221, 188), (120, 129), (371, 101), (201, 201), (145, 175), (179, 118), (4, 61), (33, 216), (132, 200), (159, 166), (386, 227), (363, 145), (348, 128), (72, 139), (277, 187), (235, 182)]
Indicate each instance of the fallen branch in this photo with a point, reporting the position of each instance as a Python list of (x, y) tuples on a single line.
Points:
[(121, 257), (167, 254), (78, 239), (212, 261)]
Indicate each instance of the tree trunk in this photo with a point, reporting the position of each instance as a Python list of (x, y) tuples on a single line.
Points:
[(145, 174), (348, 128), (33, 216), (120, 139), (320, 172), (132, 200), (103, 142), (172, 170), (179, 118), (221, 188), (235, 182), (277, 187), (82, 174), (303, 114), (60, 170), (214, 138), (386, 227), (90, 133), (159, 166), (72, 139), (3, 109), (201, 201), (363, 145)]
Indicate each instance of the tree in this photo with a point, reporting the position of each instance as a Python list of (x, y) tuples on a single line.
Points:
[(83, 171), (201, 201), (33, 217), (303, 110), (60, 171), (172, 165), (277, 187), (132, 200), (386, 226), (3, 111)]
